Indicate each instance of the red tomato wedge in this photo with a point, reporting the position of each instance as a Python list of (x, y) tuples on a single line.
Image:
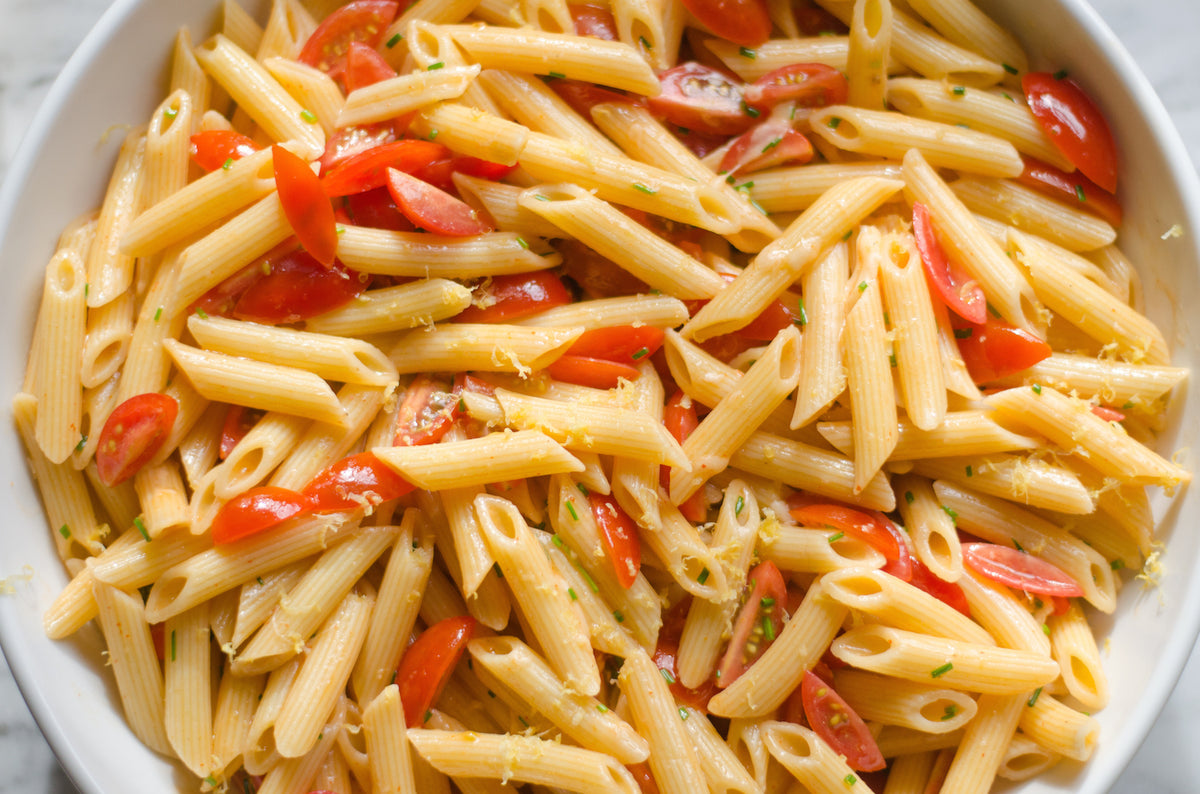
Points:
[(296, 288), (1075, 189), (1074, 124), (680, 419), (428, 411), (769, 144), (511, 297), (619, 536), (593, 20), (948, 593), (306, 206), (996, 349), (623, 343), (869, 527), (838, 725), (582, 97), (700, 98), (428, 664), (643, 777), (598, 373), (133, 434), (757, 624), (440, 173), (959, 291), (221, 299), (433, 209), (1108, 414), (744, 22), (352, 482), (809, 85), (362, 20), (376, 209), (1019, 570), (368, 169), (212, 149), (255, 510), (349, 141), (365, 66), (238, 422), (666, 653)]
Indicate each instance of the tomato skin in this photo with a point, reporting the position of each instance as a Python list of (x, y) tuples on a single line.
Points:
[(765, 603), (644, 777), (376, 209), (701, 98), (763, 328), (1074, 124), (838, 725), (365, 66), (306, 206), (666, 654), (433, 209), (809, 85), (593, 20), (996, 349), (362, 20), (511, 297), (133, 434), (622, 343), (238, 422), (1058, 184), (769, 144), (296, 288), (429, 410), (744, 22), (367, 170), (356, 475), (1108, 414), (856, 523), (582, 97), (211, 149), (428, 663), (256, 510), (350, 141), (948, 593), (597, 373), (596, 276), (1019, 570), (619, 536), (959, 292), (681, 420)]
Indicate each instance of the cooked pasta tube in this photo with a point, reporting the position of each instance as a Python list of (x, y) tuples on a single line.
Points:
[(492, 458), (1059, 728), (396, 308), (1030, 481), (978, 758), (397, 96), (962, 433), (810, 760), (1030, 211), (867, 60), (455, 347), (802, 550), (109, 270), (930, 528), (420, 255), (892, 701)]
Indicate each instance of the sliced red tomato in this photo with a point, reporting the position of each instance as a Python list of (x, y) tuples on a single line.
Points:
[(212, 149), (701, 98), (619, 536), (1108, 414), (643, 777), (700, 144), (349, 141), (1074, 124), (433, 209), (365, 66), (623, 343), (759, 621), (296, 288), (838, 725), (353, 481), (368, 169), (478, 167), (808, 85), (362, 20), (593, 20), (744, 22), (133, 434), (510, 297), (239, 420), (376, 209), (306, 206), (948, 593), (1019, 570), (1075, 189), (680, 419), (582, 97), (767, 145), (428, 663), (870, 528), (427, 413), (959, 291), (596, 276), (763, 328), (254, 511), (666, 655), (598, 373), (221, 299), (440, 173), (996, 349)]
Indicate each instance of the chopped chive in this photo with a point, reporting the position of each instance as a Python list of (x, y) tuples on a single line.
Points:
[(836, 537), (755, 204), (846, 236), (771, 145), (1037, 388), (591, 583), (557, 541), (394, 40), (557, 75), (141, 527), (768, 628), (649, 191), (949, 713), (802, 317), (1017, 545), (833, 123), (600, 707), (571, 592), (1127, 406), (432, 66), (1046, 629), (260, 580), (429, 714), (158, 314), (172, 646), (849, 780), (1079, 193), (65, 531), (963, 333), (641, 353), (992, 309), (212, 781), (1037, 603), (703, 577), (645, 43), (82, 443), (1034, 697), (749, 111), (766, 602), (618, 616), (571, 509), (908, 497), (960, 90), (683, 713), (170, 113), (938, 672), (738, 505), (951, 512), (1009, 69), (308, 116), (1060, 74), (203, 315), (1007, 96), (1117, 565), (892, 360), (862, 286), (521, 242), (583, 489), (225, 166), (667, 675), (746, 52), (970, 472), (433, 134)]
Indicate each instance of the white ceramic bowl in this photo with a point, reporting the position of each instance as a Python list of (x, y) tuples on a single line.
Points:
[(118, 76)]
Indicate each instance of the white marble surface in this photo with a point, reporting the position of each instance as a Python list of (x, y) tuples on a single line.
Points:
[(37, 36)]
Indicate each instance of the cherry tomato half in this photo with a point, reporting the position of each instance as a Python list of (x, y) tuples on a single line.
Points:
[(758, 622), (133, 434), (428, 663), (367, 169), (702, 99), (212, 149), (510, 297), (680, 419), (376, 209), (593, 20), (597, 373), (352, 481), (771, 143), (433, 209), (744, 22), (1075, 189), (1019, 570), (948, 593), (809, 85), (867, 527), (349, 141), (622, 343), (365, 66), (306, 206), (996, 349), (619, 536), (959, 292), (838, 725), (239, 420), (296, 288), (254, 511), (1074, 124), (427, 413), (362, 20)]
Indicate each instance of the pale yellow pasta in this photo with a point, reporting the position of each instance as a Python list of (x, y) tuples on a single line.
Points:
[(1074, 648), (109, 271), (62, 324), (263, 448), (810, 760), (485, 347), (187, 684), (106, 343), (163, 498), (493, 458), (810, 468), (654, 27), (259, 753), (313, 89), (1024, 759), (984, 741), (289, 25), (1059, 728), (396, 308), (802, 550), (722, 769), (1030, 481), (794, 188), (187, 76), (892, 701), (479, 133), (233, 713), (930, 528), (500, 202), (534, 104), (258, 599), (962, 433), (387, 744), (1113, 382), (866, 64), (776, 53), (965, 24), (688, 559), (1063, 224), (396, 96), (822, 376)]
